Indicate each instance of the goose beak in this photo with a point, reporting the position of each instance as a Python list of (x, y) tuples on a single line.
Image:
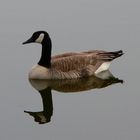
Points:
[(28, 41)]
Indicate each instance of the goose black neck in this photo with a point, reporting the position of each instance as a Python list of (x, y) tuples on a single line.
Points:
[(45, 59)]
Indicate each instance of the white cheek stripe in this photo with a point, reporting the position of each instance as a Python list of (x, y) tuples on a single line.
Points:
[(103, 67), (40, 38)]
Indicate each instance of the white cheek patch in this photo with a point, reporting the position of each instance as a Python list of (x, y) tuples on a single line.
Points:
[(40, 38)]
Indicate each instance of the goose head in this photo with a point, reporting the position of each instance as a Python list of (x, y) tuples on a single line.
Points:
[(38, 37), (42, 38)]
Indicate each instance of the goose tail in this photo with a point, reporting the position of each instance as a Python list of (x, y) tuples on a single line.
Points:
[(110, 55)]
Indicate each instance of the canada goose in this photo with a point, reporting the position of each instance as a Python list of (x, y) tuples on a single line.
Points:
[(68, 65)]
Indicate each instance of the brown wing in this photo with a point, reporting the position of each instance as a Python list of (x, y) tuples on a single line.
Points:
[(73, 61), (64, 55)]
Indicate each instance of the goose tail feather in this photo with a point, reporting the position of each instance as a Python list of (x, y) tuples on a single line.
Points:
[(110, 55)]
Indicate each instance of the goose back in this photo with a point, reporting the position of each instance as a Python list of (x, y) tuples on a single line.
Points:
[(75, 61)]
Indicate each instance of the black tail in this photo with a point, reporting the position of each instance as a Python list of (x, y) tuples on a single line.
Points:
[(110, 55)]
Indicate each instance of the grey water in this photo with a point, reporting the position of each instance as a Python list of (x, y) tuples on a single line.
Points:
[(110, 112)]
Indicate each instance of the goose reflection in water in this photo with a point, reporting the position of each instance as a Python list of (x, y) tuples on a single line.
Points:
[(45, 87)]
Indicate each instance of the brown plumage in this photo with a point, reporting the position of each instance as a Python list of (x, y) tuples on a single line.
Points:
[(68, 65), (76, 65)]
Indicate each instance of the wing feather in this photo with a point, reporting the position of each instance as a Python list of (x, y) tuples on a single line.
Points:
[(73, 61)]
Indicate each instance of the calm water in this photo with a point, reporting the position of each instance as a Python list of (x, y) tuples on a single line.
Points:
[(109, 113)]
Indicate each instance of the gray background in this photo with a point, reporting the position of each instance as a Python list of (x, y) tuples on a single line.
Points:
[(111, 113)]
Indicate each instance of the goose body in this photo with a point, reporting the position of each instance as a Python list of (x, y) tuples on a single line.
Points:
[(68, 65)]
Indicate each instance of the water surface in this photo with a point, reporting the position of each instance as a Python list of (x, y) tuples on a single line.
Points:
[(105, 113)]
